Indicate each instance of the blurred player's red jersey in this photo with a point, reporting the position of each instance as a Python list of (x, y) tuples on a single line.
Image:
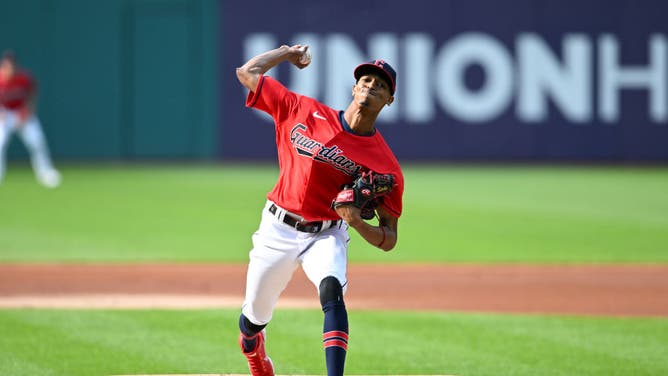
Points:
[(317, 155), (16, 91)]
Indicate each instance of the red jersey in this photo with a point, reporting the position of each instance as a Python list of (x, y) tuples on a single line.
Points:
[(16, 91), (317, 155)]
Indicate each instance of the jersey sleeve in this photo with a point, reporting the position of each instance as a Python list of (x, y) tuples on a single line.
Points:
[(273, 98)]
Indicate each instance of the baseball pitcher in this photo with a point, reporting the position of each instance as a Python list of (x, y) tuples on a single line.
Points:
[(336, 172)]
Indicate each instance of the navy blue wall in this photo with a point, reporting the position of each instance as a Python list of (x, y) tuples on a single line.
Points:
[(477, 79)]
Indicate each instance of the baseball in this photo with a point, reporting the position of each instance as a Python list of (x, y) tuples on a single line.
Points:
[(305, 58)]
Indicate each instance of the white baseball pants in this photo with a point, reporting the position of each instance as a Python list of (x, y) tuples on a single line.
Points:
[(277, 251), (33, 137)]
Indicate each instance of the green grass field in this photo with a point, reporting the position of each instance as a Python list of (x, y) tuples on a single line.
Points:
[(62, 342), (451, 214), (188, 213)]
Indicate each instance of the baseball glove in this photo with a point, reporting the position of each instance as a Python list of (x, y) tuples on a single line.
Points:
[(366, 191)]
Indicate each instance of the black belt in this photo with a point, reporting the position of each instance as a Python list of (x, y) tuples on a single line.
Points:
[(299, 225)]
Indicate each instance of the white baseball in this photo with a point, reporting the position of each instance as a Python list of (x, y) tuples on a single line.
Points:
[(305, 58)]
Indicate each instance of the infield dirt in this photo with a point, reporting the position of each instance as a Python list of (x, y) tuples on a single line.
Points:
[(615, 290)]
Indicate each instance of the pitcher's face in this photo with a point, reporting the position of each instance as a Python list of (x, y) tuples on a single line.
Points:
[(372, 91)]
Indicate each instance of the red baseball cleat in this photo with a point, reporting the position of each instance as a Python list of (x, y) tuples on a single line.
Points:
[(259, 363)]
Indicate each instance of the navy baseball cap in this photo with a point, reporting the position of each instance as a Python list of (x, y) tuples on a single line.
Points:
[(380, 67)]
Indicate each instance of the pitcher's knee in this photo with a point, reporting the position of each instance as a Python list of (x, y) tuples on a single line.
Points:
[(330, 290)]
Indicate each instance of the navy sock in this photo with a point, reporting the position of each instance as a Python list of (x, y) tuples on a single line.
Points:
[(335, 336), (249, 331)]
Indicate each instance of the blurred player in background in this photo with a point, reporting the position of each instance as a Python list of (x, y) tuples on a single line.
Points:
[(18, 94), (306, 218)]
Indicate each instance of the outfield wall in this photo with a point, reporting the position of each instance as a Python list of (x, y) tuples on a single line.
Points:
[(478, 80), (119, 79)]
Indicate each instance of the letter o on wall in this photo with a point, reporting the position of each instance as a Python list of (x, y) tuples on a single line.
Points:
[(493, 97)]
